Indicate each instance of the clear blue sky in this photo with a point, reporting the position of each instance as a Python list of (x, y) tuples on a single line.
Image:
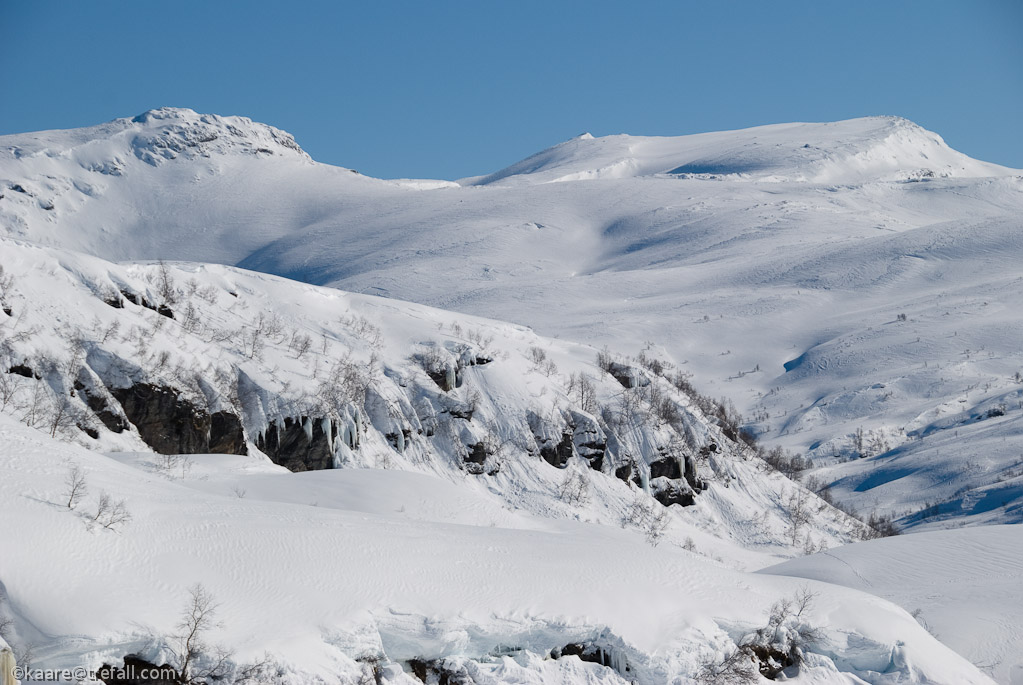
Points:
[(446, 89)]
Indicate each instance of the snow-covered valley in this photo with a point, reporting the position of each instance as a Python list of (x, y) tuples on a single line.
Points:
[(409, 492)]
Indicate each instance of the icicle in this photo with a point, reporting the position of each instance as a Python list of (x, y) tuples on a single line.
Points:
[(327, 426)]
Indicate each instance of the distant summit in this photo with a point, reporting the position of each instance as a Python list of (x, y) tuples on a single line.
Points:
[(846, 152), (154, 137)]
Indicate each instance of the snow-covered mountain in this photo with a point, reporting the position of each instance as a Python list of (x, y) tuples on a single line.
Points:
[(853, 287), (847, 152), (813, 240)]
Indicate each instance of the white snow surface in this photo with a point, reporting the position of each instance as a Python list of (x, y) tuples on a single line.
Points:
[(831, 279), (320, 584), (957, 583)]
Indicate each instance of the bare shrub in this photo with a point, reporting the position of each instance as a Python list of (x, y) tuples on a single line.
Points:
[(798, 506), (198, 661), (165, 284), (111, 514), (780, 645), (582, 390), (266, 327), (346, 382), (75, 487), (575, 489)]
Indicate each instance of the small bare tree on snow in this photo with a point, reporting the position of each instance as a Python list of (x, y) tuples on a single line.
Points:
[(657, 526), (581, 388), (174, 465), (300, 344), (266, 327), (165, 285), (75, 487), (800, 514), (61, 415), (575, 489), (9, 388), (199, 662), (541, 363), (649, 517), (111, 514)]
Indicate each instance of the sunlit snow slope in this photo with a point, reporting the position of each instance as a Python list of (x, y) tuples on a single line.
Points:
[(329, 586), (775, 263), (958, 583)]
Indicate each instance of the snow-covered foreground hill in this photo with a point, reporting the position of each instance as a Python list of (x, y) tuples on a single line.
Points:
[(337, 574), (957, 582), (835, 279)]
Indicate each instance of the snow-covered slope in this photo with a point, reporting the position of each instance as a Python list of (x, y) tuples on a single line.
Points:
[(498, 519), (351, 586), (108, 356), (958, 583), (699, 244)]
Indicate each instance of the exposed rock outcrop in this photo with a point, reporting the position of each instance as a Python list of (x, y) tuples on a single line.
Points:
[(137, 671), (172, 424), (300, 444), (628, 376)]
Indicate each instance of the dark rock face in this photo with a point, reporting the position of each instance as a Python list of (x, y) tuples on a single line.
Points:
[(297, 449), (171, 424), (136, 671), (443, 379), (439, 672), (691, 476), (399, 440), (669, 492), (226, 434), (591, 653), (478, 461), (665, 468), (558, 455), (22, 370), (461, 411), (141, 300), (594, 451), (113, 420), (628, 376), (772, 661)]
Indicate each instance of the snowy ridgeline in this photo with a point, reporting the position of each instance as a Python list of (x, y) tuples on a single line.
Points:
[(519, 514)]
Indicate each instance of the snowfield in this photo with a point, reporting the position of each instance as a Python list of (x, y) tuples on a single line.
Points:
[(507, 456), (957, 582), (343, 583)]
